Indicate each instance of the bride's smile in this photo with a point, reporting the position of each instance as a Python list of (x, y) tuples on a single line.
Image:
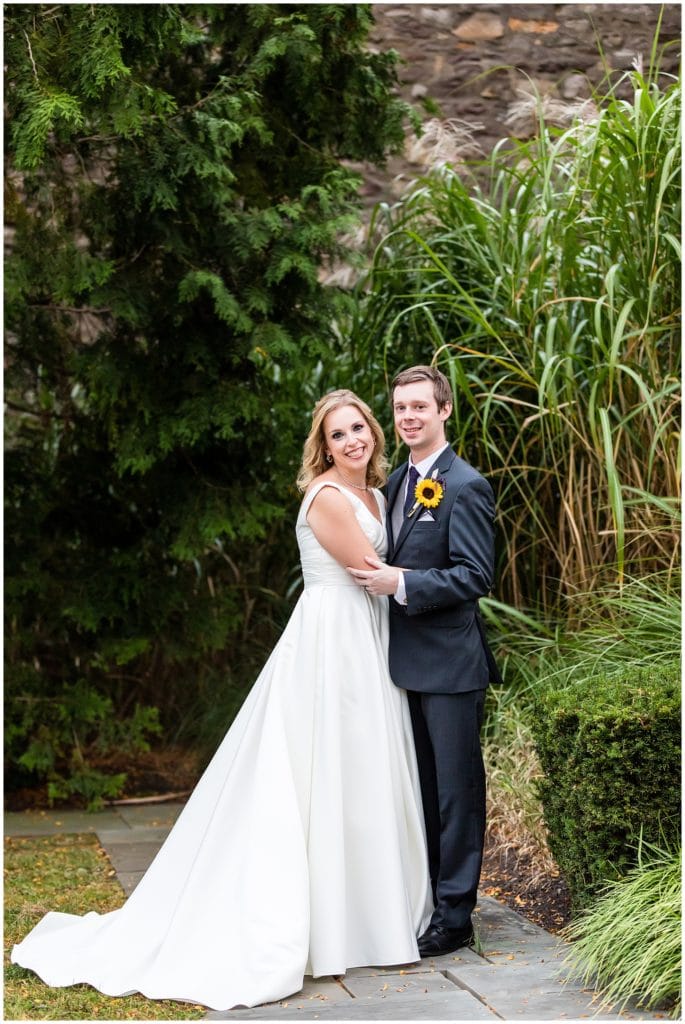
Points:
[(357, 454)]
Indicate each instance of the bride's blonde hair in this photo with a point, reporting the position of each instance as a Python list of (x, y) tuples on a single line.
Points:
[(314, 454)]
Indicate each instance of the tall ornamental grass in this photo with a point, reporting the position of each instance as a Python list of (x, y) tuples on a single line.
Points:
[(628, 945), (548, 291), (628, 625)]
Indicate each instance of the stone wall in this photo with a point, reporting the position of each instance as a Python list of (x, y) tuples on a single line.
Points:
[(472, 62)]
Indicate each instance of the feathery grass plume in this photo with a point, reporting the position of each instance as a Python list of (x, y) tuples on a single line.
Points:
[(524, 113), (628, 945), (450, 141)]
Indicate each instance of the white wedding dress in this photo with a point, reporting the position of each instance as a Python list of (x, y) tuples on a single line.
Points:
[(301, 850)]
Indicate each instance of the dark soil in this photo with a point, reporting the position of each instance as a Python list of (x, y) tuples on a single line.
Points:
[(514, 879), (507, 876)]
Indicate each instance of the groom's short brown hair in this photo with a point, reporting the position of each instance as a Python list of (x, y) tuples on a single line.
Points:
[(441, 385)]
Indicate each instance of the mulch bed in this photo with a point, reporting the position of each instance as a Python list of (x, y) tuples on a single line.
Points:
[(513, 879)]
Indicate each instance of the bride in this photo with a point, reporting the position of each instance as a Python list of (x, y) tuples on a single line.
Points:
[(302, 849)]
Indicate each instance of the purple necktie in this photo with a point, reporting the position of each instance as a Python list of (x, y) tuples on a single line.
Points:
[(411, 487)]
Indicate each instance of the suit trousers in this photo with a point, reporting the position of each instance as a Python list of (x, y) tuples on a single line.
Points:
[(446, 730)]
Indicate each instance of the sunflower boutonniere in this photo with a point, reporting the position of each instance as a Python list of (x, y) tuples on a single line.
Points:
[(429, 492)]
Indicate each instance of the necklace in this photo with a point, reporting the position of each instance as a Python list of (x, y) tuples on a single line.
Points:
[(358, 487)]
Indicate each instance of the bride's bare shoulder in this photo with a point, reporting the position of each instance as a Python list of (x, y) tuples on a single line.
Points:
[(321, 479)]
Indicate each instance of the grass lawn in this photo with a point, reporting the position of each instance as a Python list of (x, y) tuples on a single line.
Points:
[(71, 874)]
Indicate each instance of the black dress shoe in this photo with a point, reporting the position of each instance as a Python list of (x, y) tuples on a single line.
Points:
[(436, 941)]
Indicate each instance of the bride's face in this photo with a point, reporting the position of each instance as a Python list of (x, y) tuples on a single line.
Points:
[(348, 438)]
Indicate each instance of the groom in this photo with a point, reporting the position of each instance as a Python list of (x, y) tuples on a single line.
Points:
[(441, 556)]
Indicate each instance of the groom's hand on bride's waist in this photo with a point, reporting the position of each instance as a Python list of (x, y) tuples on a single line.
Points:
[(379, 579)]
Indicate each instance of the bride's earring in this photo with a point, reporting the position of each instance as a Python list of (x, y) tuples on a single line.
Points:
[(329, 458)]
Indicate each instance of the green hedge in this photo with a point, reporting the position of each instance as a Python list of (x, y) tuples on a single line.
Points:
[(609, 747)]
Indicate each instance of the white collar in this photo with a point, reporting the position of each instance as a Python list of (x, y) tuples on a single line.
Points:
[(424, 465)]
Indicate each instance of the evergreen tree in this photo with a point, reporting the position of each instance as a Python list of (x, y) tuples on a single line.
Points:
[(174, 186)]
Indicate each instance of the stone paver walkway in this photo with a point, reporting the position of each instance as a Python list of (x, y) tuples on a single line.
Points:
[(517, 972)]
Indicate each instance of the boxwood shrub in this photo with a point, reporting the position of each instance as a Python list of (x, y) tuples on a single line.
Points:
[(609, 747)]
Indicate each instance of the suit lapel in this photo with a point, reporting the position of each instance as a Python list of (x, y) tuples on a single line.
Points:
[(394, 487), (442, 464)]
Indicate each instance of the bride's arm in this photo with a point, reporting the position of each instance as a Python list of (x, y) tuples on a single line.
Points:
[(335, 526)]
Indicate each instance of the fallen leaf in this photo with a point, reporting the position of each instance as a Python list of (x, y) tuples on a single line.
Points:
[(537, 27)]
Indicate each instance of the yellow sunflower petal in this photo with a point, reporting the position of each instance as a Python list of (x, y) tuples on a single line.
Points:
[(429, 493)]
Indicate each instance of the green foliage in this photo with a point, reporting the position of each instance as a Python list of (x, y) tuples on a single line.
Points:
[(174, 184), (65, 731), (546, 284), (628, 945), (615, 630), (609, 747)]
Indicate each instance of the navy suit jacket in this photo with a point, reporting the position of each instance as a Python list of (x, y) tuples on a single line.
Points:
[(437, 641)]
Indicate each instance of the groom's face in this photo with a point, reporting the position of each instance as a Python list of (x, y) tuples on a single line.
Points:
[(419, 422)]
